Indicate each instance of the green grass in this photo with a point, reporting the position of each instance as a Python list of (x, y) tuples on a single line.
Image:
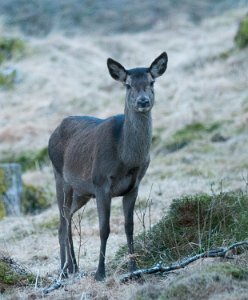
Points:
[(188, 134), (241, 37), (29, 159), (193, 224)]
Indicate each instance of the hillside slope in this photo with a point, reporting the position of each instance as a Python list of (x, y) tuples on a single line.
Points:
[(200, 121)]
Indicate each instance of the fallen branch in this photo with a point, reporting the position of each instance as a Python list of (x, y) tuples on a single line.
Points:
[(159, 268), (54, 286), (61, 282)]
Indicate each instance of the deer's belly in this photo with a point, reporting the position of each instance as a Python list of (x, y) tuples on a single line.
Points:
[(121, 186)]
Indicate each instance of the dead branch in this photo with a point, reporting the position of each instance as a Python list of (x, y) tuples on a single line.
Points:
[(159, 268), (55, 286)]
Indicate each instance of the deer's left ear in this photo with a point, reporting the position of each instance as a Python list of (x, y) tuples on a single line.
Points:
[(159, 65)]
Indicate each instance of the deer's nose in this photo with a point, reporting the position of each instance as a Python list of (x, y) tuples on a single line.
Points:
[(143, 102)]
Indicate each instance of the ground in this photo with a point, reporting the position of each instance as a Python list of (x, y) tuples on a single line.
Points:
[(201, 107)]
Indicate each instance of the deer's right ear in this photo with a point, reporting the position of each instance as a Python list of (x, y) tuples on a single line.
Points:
[(116, 70)]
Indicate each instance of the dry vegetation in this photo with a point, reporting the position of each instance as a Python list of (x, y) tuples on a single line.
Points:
[(199, 145)]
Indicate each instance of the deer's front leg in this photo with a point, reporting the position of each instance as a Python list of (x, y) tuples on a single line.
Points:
[(128, 208), (103, 201)]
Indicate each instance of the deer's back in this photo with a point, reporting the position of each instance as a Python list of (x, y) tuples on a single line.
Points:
[(79, 140)]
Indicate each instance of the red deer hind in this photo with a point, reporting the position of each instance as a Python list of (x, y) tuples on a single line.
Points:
[(105, 158)]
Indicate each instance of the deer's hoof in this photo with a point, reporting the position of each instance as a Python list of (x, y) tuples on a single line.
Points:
[(99, 276), (132, 266)]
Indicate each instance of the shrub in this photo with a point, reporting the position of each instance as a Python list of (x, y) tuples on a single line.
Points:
[(11, 48), (193, 224), (34, 199)]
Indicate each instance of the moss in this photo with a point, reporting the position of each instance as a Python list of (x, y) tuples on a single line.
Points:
[(34, 199), (2, 210), (193, 224), (3, 190), (241, 37), (189, 133), (3, 183), (11, 48), (29, 159)]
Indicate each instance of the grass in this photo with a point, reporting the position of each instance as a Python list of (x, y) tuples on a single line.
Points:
[(50, 224), (29, 159), (11, 48), (225, 279), (193, 224), (12, 274), (185, 136), (7, 77), (124, 16), (241, 37)]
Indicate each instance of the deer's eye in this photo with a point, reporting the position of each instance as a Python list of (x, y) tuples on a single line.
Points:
[(152, 83), (127, 85)]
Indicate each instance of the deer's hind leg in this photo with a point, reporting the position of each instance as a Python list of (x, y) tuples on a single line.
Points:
[(64, 198)]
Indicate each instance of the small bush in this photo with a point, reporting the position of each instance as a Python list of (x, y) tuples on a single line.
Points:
[(11, 48), (241, 37), (193, 224), (34, 199)]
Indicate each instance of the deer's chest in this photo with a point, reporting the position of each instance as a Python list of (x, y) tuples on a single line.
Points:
[(125, 181)]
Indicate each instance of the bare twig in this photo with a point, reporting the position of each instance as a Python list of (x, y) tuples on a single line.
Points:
[(78, 226), (159, 268)]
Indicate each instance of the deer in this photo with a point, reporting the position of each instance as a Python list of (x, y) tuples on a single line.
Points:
[(103, 159)]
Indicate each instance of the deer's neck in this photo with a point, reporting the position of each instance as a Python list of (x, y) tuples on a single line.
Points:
[(136, 137)]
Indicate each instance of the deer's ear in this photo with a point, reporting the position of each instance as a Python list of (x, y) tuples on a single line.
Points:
[(116, 70), (159, 65)]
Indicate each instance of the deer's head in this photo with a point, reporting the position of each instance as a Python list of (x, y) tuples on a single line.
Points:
[(139, 82)]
